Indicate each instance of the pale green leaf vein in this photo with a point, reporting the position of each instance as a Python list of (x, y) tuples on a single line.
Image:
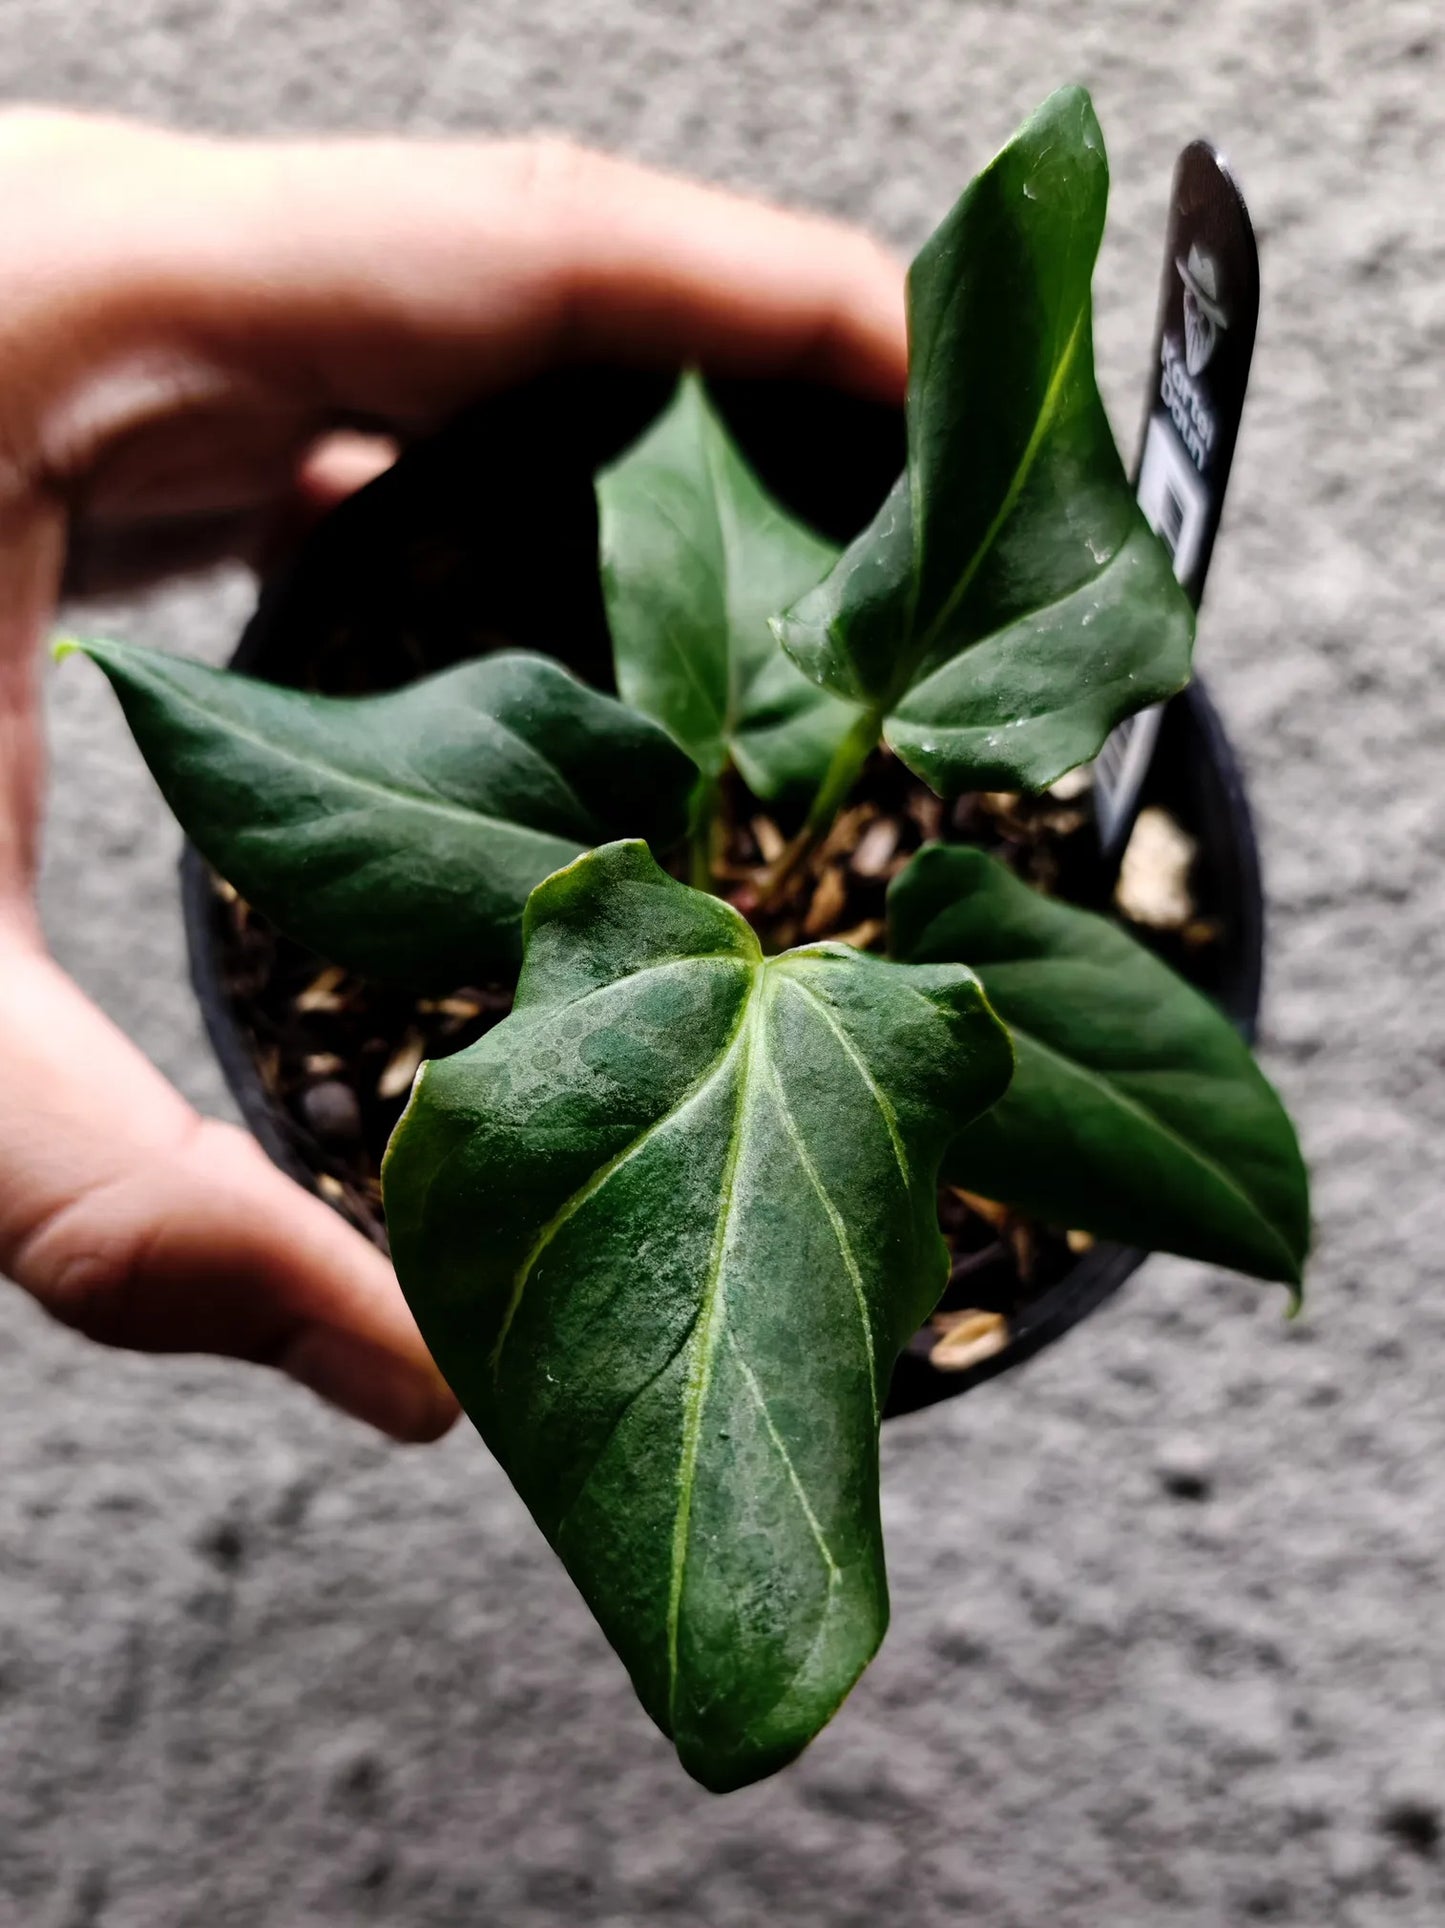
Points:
[(1122, 1099), (1017, 483), (725, 535), (750, 1379), (835, 1220), (875, 1091), (369, 786), (712, 1310), (920, 693), (573, 1204), (680, 647), (530, 755), (628, 1405), (653, 964)]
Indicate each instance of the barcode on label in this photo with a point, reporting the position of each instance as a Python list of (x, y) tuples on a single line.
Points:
[(1171, 520), (1175, 503), (1173, 496)]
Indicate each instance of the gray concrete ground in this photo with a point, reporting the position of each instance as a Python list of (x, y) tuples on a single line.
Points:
[(256, 1669)]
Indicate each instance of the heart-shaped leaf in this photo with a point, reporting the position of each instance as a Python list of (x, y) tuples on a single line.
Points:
[(666, 1229), (399, 835), (1136, 1111), (1009, 604), (696, 557)]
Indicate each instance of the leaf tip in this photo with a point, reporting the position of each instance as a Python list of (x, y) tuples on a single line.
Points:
[(692, 403), (104, 653), (412, 1105), (1073, 102), (1293, 1279)]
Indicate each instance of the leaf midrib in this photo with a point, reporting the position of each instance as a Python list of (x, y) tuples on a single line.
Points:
[(539, 760), (1125, 1102), (708, 1325), (1026, 617), (572, 1204), (1043, 423), (732, 724), (461, 813), (711, 1311), (682, 655), (711, 455), (837, 1224), (869, 1082), (715, 455)]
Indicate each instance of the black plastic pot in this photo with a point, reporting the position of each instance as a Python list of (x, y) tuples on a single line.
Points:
[(487, 534)]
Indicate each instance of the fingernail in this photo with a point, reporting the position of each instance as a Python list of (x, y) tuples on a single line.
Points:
[(408, 1402)]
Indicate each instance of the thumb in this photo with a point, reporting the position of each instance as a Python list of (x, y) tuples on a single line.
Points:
[(138, 1222)]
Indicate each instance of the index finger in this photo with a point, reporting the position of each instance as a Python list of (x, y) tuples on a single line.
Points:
[(400, 278), (493, 260)]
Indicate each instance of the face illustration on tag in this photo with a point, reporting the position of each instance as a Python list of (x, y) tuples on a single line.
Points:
[(1203, 314), (1204, 337)]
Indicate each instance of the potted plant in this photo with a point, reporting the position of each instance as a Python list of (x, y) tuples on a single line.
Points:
[(728, 971)]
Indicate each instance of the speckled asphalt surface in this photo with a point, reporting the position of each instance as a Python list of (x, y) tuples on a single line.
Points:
[(257, 1669)]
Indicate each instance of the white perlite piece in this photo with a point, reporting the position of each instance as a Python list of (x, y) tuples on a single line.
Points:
[(967, 1338), (1153, 887), (1072, 785)]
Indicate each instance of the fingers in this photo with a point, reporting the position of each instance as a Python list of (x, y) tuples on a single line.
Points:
[(109, 555), (32, 543), (265, 288), (120, 1210), (335, 467), (340, 464), (426, 270), (142, 1225)]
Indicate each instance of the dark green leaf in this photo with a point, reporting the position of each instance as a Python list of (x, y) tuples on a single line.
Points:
[(1136, 1111), (666, 1229), (1009, 604), (399, 835), (696, 557)]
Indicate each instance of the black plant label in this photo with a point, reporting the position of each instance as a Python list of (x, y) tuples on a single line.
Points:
[(1203, 342), (1208, 310)]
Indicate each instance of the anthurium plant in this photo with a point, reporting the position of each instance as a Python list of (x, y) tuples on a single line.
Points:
[(667, 1226)]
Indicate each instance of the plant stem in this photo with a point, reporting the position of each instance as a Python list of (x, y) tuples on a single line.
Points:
[(700, 836), (842, 773)]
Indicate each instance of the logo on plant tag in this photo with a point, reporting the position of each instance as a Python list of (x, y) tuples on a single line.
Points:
[(1203, 314)]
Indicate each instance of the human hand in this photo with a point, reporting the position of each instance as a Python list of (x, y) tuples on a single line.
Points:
[(185, 322)]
